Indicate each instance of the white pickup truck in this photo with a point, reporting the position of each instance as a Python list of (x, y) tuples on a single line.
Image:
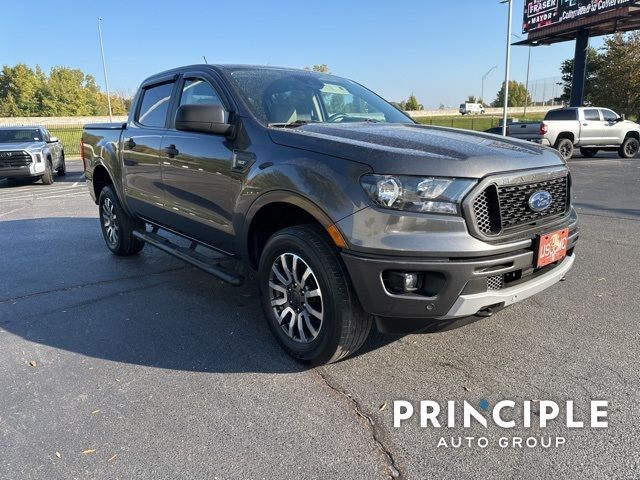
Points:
[(590, 129)]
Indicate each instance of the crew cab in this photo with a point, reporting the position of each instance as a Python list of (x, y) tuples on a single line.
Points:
[(590, 129), (30, 152), (351, 213)]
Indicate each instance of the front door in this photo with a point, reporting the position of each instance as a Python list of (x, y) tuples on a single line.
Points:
[(141, 149), (196, 169)]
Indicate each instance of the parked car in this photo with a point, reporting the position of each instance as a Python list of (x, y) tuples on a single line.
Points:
[(30, 152), (590, 129), (350, 211), (529, 131), (471, 109)]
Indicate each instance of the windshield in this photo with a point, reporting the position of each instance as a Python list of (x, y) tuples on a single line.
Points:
[(20, 135), (281, 97)]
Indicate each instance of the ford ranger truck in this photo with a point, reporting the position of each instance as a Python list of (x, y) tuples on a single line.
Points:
[(351, 213)]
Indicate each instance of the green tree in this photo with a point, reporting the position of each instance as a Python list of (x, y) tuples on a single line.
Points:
[(472, 99), (21, 91), (517, 95), (412, 103), (566, 69), (616, 84), (322, 68)]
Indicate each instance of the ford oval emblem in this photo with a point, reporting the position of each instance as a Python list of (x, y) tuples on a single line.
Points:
[(540, 200)]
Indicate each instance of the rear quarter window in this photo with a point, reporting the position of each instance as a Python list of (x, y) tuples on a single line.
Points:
[(564, 114)]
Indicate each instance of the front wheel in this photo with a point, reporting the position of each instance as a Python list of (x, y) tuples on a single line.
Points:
[(307, 297), (565, 147), (629, 148), (588, 152), (117, 227), (47, 177)]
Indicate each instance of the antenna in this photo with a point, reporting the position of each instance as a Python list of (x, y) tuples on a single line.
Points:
[(205, 59), (104, 68)]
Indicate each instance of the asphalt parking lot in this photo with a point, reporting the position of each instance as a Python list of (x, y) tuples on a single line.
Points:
[(147, 368)]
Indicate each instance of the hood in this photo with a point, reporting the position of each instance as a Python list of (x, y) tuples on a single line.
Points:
[(410, 149), (21, 146)]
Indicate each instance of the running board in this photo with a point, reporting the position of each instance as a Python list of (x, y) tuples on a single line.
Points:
[(189, 255)]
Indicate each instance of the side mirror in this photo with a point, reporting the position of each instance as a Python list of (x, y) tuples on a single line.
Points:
[(203, 118), (53, 139), (622, 118)]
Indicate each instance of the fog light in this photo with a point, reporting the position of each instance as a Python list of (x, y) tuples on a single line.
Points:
[(404, 282), (410, 281)]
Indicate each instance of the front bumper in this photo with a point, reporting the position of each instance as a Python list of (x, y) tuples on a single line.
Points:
[(35, 168), (462, 286)]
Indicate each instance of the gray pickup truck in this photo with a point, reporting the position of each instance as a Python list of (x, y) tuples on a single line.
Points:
[(351, 213)]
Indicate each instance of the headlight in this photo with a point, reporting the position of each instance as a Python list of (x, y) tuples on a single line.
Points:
[(417, 194)]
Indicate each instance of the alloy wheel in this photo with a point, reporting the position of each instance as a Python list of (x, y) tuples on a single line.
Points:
[(109, 221), (296, 298)]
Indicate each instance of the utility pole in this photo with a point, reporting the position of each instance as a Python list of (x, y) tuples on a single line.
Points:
[(104, 68), (506, 68)]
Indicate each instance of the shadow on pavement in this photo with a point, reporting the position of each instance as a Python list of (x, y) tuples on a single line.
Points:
[(150, 310)]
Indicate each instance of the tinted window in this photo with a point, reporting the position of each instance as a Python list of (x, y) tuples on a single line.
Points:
[(155, 104), (20, 135), (609, 116), (563, 114), (592, 114)]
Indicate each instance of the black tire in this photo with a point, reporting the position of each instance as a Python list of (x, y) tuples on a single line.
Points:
[(62, 169), (343, 326), (589, 152), (629, 148), (119, 238), (47, 178), (565, 147)]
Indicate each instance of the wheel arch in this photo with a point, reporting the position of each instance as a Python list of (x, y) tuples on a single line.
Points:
[(272, 212)]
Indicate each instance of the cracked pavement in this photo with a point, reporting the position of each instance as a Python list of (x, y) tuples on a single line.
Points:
[(156, 370)]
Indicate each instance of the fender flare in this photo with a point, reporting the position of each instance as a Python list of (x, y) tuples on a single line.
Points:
[(278, 196)]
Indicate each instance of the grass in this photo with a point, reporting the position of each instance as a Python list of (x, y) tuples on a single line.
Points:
[(474, 122), (69, 135)]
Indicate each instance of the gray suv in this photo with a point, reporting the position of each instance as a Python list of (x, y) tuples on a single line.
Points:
[(351, 213)]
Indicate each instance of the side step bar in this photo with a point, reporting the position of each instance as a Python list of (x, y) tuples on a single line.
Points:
[(189, 255)]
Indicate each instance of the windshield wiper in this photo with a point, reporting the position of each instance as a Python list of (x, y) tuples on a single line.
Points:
[(297, 123)]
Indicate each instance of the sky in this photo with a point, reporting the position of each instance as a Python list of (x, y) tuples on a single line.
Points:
[(437, 49)]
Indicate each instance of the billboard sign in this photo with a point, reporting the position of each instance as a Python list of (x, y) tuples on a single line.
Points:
[(544, 13)]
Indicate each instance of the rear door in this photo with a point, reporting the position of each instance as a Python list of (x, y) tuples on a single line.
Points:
[(141, 149), (591, 128), (196, 169)]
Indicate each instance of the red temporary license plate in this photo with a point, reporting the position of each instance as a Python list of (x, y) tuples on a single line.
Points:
[(552, 247)]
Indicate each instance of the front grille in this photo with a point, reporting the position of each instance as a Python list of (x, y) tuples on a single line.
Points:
[(503, 208), (14, 159), (495, 283)]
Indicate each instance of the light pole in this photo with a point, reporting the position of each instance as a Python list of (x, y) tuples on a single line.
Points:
[(483, 79), (526, 87), (104, 68), (506, 68)]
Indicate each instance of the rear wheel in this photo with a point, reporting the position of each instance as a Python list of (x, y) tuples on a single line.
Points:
[(589, 152), (47, 178), (117, 227), (565, 147), (307, 297), (62, 169), (629, 148)]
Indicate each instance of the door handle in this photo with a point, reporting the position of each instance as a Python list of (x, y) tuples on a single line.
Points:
[(171, 151), (129, 144), (585, 124)]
